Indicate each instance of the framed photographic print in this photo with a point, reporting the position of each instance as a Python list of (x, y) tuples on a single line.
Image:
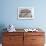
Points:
[(25, 13)]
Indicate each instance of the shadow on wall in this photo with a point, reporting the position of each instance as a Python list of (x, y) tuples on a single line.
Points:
[(2, 26)]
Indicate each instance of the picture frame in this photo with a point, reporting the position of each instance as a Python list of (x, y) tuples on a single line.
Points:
[(25, 13)]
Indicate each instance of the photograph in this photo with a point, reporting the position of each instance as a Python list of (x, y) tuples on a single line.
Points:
[(25, 13)]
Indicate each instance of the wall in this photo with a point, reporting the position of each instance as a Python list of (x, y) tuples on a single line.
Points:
[(8, 13)]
